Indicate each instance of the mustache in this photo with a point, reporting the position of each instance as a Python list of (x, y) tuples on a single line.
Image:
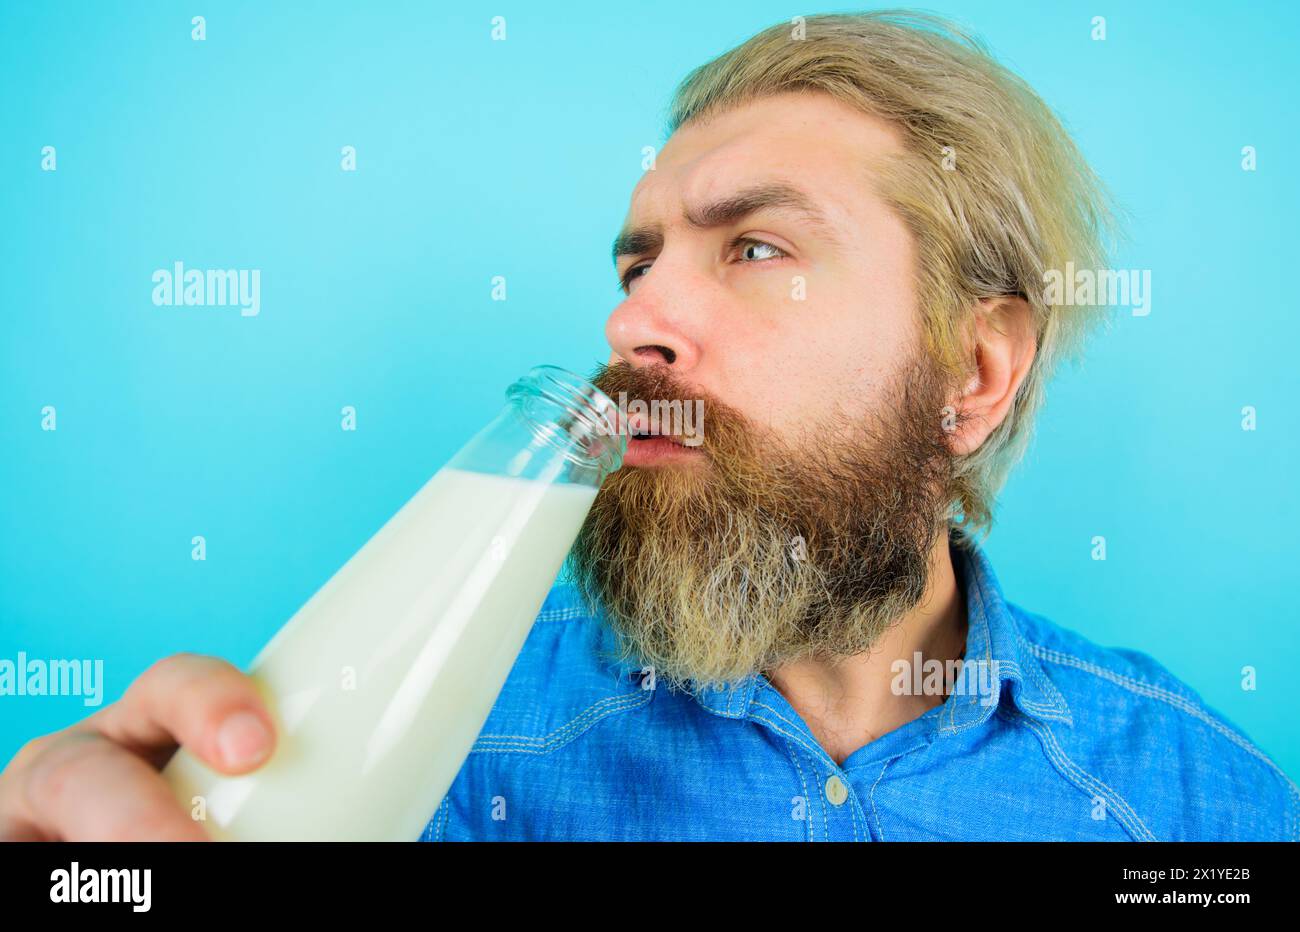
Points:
[(659, 385)]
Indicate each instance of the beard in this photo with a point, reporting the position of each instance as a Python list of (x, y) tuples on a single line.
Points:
[(761, 551)]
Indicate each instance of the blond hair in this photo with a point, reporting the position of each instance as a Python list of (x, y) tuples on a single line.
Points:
[(1014, 200)]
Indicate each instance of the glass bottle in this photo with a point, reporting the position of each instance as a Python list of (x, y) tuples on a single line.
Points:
[(381, 682)]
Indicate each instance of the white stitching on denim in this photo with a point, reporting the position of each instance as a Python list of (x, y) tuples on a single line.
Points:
[(826, 822), (798, 739), (561, 614), (803, 782), (705, 701), (826, 758), (1085, 781), (816, 750), (1183, 704), (956, 729), (433, 830), (1039, 675), (1047, 711), (856, 811), (444, 816), (1040, 679), (763, 705), (872, 796), (1138, 686), (497, 737), (982, 615), (563, 734), (1061, 708), (522, 744)]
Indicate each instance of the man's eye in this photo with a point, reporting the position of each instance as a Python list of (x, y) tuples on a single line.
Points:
[(755, 250), (751, 250), (637, 271)]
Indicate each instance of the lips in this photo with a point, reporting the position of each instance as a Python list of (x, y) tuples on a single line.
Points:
[(647, 447), (639, 430), (636, 435)]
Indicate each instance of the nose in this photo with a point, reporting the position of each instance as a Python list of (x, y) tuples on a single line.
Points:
[(656, 326)]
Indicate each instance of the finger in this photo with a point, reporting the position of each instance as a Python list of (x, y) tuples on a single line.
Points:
[(202, 703), (16, 822), (86, 788)]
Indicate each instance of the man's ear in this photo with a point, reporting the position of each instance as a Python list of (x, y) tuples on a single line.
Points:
[(1002, 343)]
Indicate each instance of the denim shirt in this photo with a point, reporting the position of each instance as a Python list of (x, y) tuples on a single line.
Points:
[(1068, 741)]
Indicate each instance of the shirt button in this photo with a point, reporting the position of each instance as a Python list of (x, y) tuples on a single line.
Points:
[(836, 791)]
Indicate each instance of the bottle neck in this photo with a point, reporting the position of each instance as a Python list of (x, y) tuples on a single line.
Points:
[(572, 416)]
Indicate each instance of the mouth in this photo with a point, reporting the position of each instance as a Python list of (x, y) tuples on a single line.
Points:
[(636, 432), (647, 447)]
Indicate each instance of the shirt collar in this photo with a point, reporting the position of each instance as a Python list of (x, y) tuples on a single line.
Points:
[(998, 665), (1004, 667)]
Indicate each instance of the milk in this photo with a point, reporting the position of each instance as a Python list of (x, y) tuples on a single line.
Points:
[(380, 684)]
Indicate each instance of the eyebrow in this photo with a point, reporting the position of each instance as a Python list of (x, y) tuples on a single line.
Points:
[(775, 195)]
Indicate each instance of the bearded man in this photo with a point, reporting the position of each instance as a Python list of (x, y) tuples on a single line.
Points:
[(783, 626), (841, 251)]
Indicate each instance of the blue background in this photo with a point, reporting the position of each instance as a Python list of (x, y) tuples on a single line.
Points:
[(479, 158)]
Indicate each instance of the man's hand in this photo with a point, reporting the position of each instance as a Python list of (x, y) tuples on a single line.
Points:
[(99, 779)]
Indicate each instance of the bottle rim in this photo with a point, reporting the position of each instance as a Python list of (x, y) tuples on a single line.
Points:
[(589, 433)]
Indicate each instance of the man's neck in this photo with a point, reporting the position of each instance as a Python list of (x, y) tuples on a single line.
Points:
[(850, 703)]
